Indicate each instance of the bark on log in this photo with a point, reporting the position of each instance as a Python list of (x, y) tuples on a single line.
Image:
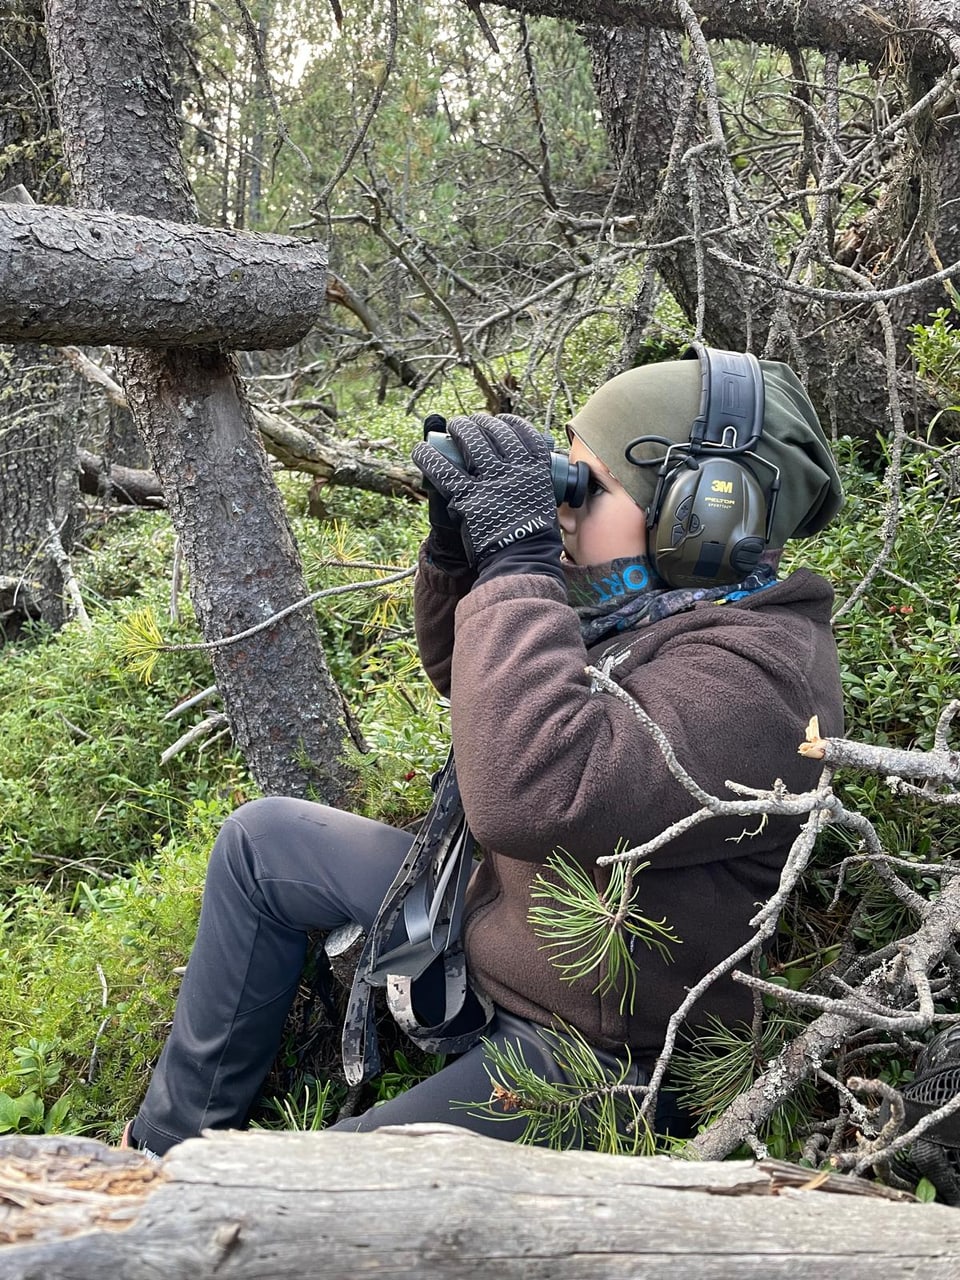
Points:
[(438, 1202), (328, 460), (118, 484), (857, 32), (97, 278)]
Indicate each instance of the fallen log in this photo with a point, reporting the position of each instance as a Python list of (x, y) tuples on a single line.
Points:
[(332, 462), (92, 278), (438, 1203), (117, 483)]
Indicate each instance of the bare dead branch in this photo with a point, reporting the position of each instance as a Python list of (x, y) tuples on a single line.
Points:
[(939, 766), (855, 1010), (806, 1053), (224, 641), (70, 584), (889, 1141), (372, 107), (211, 724)]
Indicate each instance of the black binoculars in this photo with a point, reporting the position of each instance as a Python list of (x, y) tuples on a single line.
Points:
[(570, 479)]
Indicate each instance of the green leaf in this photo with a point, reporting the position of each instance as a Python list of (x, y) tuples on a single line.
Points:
[(53, 1121), (18, 1115), (925, 1191), (9, 1113)]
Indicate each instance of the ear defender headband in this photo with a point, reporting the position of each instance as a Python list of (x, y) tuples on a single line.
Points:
[(712, 511)]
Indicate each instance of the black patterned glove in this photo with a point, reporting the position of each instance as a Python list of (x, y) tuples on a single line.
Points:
[(503, 492), (444, 546)]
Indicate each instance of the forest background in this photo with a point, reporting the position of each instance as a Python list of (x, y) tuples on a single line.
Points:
[(514, 207)]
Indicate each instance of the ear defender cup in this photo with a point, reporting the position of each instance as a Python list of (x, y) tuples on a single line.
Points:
[(711, 522)]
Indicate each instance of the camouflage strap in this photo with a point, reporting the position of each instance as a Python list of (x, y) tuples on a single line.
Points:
[(423, 908)]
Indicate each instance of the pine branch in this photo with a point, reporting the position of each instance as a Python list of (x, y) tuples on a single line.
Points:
[(864, 1006), (590, 930), (594, 1107)]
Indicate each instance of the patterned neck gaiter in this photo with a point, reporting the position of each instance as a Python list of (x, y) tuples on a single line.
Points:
[(627, 593)]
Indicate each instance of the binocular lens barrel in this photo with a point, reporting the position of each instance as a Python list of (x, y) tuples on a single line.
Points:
[(570, 479)]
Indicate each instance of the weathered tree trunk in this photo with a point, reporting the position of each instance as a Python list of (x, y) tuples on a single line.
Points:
[(179, 41), (640, 74), (431, 1201), (944, 177), (72, 275), (121, 141), (38, 485), (38, 481)]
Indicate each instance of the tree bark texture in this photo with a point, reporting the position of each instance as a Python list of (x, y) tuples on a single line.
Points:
[(78, 276), (121, 140), (944, 176), (857, 32), (437, 1203), (29, 152), (38, 480)]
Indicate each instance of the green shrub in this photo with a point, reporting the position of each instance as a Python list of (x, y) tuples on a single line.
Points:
[(899, 644), (103, 849), (82, 789), (88, 983)]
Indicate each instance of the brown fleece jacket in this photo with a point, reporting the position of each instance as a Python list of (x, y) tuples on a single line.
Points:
[(545, 764)]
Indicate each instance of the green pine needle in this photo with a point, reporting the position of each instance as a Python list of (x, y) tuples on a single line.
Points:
[(722, 1062), (593, 1109), (141, 643), (590, 929)]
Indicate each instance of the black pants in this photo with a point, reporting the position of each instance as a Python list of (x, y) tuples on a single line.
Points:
[(279, 869)]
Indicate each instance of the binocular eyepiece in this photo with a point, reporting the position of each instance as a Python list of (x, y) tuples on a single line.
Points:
[(570, 479)]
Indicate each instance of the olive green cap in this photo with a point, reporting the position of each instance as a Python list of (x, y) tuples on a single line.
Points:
[(664, 400)]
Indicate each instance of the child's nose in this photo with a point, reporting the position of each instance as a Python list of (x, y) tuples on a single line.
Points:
[(567, 518)]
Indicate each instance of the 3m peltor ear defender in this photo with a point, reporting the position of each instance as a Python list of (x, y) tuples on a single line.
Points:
[(713, 507)]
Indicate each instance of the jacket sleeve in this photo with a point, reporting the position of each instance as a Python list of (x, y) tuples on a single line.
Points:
[(545, 763), (435, 598)]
